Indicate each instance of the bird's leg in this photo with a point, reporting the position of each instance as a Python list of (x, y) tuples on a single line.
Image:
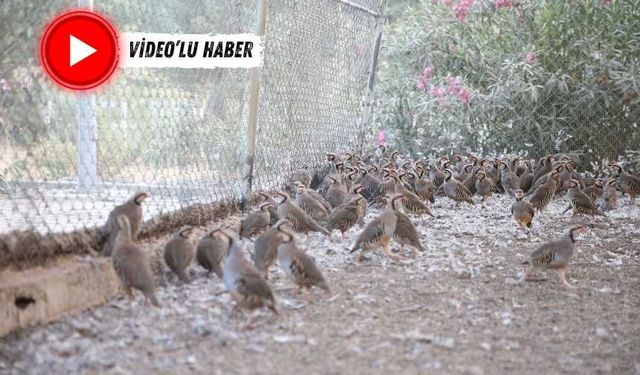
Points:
[(236, 308), (309, 296), (530, 275), (360, 256), (128, 292), (414, 252), (390, 254), (250, 323), (528, 231), (562, 275)]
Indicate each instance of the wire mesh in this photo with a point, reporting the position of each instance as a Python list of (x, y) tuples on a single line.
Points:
[(67, 159), (312, 86)]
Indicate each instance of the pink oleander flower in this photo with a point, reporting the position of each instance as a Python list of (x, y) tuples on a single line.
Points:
[(503, 4), (437, 91), (432, 90), (380, 137), (530, 58), (462, 8), (454, 86), (464, 95), (606, 2), (423, 78)]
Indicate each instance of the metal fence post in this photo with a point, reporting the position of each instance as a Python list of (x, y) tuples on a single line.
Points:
[(254, 107), (86, 134), (373, 66)]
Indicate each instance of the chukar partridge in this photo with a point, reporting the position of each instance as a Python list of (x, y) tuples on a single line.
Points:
[(553, 255), (132, 264), (132, 209), (179, 253)]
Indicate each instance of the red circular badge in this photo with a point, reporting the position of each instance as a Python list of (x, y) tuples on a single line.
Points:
[(79, 50)]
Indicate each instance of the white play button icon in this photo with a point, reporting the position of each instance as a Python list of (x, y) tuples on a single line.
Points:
[(78, 50)]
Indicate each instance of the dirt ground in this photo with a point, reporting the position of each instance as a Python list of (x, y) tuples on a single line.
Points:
[(458, 308)]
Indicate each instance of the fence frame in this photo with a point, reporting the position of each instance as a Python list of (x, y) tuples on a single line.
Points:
[(87, 133), (367, 102), (254, 109)]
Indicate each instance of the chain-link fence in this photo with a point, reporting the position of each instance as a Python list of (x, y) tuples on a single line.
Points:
[(181, 134), (529, 77), (311, 107)]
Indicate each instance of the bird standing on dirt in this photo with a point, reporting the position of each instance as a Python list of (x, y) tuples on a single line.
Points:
[(484, 186), (406, 232), (265, 248), (436, 176), (470, 181), (544, 194), (211, 250), (526, 179), (132, 264), (243, 281), (132, 209), (389, 183), (299, 266), (300, 220), (609, 199), (372, 186), (273, 212), (543, 179), (356, 193), (553, 255), (379, 232), (179, 253), (317, 196), (594, 191), (257, 221), (627, 183), (312, 205), (508, 179), (411, 202), (346, 215), (542, 168), (522, 211), (455, 190), (424, 187), (580, 202)]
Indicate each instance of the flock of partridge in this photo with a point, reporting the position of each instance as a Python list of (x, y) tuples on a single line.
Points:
[(347, 186)]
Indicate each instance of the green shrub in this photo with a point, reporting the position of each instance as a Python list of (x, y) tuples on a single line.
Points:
[(531, 77)]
